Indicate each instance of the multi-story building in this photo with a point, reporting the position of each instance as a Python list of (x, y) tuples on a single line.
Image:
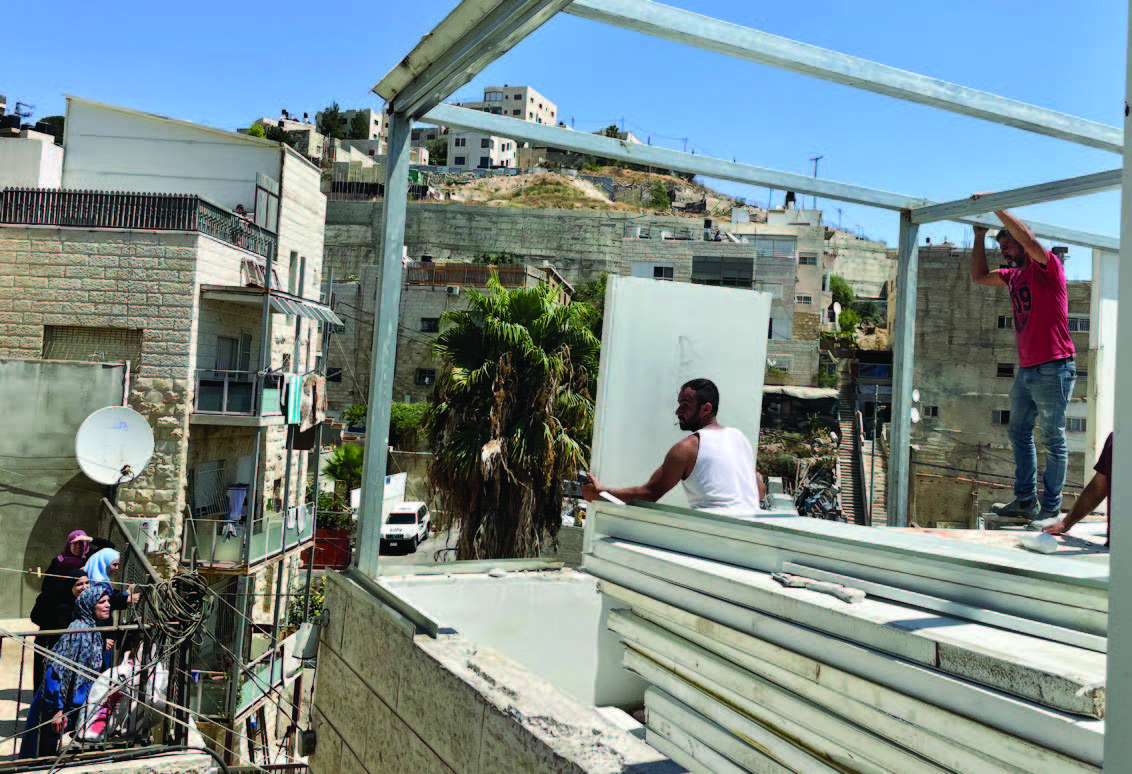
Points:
[(965, 362), (30, 159), (473, 150), (375, 121), (175, 285)]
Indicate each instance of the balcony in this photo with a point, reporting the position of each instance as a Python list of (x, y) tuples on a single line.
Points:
[(125, 210), (260, 677), (218, 544), (229, 398)]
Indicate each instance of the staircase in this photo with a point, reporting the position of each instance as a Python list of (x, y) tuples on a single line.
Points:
[(849, 467), (873, 484)]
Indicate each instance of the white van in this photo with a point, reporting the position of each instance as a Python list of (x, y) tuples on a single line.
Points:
[(407, 525)]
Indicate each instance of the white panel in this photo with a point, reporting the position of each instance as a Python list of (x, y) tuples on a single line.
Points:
[(656, 336)]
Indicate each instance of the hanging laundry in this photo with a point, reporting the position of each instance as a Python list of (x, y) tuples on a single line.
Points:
[(293, 399), (237, 497), (314, 401), (303, 515)]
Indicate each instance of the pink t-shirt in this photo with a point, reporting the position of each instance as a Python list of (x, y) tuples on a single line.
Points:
[(1041, 311)]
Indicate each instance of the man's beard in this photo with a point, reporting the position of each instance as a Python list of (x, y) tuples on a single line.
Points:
[(691, 425)]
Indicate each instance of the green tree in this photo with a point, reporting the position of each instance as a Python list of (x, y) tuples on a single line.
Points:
[(658, 198), (344, 467), (438, 151), (842, 293), (405, 424), (278, 134), (502, 258), (612, 131), (593, 294), (256, 130), (57, 124), (849, 320), (331, 122), (512, 417), (359, 126)]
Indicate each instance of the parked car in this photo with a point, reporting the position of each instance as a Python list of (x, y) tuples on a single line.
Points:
[(407, 525)]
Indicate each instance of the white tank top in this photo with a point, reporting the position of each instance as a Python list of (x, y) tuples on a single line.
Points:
[(723, 479)]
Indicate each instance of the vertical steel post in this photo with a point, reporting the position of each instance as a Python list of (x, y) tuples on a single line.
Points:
[(1100, 361), (384, 343), (873, 456), (899, 454), (1118, 703)]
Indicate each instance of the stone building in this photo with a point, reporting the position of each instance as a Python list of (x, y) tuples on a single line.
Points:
[(582, 245), (472, 150), (173, 284), (966, 359)]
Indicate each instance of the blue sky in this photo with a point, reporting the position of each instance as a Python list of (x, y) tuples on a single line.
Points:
[(225, 64)]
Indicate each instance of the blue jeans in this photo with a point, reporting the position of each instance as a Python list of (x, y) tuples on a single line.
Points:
[(1041, 393)]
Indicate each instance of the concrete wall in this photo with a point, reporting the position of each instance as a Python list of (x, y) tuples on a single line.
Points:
[(43, 493), (30, 163), (390, 700), (112, 148), (862, 263)]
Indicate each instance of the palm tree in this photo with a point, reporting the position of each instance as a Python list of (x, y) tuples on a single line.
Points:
[(511, 417), (345, 467)]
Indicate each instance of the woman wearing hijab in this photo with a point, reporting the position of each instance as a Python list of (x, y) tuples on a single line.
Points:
[(75, 553), (64, 689), (99, 568), (54, 609)]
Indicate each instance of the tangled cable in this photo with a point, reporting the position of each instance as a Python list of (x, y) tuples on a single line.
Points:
[(174, 610)]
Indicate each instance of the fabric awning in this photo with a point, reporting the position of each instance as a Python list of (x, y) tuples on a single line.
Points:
[(304, 308)]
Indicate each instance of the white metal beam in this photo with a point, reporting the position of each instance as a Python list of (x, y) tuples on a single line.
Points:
[(543, 135), (1017, 197), (903, 368), (745, 43), (472, 36)]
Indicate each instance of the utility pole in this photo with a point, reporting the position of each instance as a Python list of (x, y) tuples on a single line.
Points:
[(685, 144), (838, 218), (815, 159)]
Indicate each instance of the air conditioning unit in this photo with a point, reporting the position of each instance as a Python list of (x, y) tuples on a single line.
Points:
[(452, 290)]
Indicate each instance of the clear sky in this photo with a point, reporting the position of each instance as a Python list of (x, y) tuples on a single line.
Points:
[(225, 64)]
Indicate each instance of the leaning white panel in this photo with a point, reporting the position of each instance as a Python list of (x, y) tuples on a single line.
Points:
[(656, 336)]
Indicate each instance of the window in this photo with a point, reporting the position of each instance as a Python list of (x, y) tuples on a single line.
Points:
[(425, 376), (485, 142), (459, 161), (1005, 322), (532, 100), (460, 142), (723, 271), (430, 325), (803, 298), (807, 259), (662, 273), (103, 345), (1005, 371), (931, 411), (1075, 424), (334, 374), (227, 353), (1078, 324), (774, 247), (530, 115), (774, 288), (779, 364), (492, 96), (999, 417), (516, 112), (485, 162)]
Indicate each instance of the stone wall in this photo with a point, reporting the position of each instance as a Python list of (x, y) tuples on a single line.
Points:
[(391, 700)]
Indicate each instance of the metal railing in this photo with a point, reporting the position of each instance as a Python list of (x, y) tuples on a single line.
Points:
[(220, 542), (126, 210), (234, 393), (472, 274)]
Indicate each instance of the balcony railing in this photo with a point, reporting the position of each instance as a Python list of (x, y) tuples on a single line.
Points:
[(125, 210), (472, 274), (234, 393), (258, 678), (220, 543)]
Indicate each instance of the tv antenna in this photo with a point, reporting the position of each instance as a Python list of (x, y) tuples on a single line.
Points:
[(114, 445), (24, 110)]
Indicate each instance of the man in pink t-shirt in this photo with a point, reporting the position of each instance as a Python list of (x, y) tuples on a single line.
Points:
[(1046, 374)]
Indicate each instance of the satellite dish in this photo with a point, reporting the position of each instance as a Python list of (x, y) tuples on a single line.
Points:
[(915, 396), (114, 445), (836, 308), (915, 415)]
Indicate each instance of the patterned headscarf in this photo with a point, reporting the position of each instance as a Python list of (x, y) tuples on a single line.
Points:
[(84, 648), (97, 565)]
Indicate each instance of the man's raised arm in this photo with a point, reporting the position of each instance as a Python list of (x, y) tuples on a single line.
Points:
[(980, 274), (1023, 236)]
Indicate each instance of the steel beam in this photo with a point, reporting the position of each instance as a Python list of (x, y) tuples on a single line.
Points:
[(472, 36), (904, 356), (1118, 742), (745, 43), (1018, 197), (384, 345), (543, 135)]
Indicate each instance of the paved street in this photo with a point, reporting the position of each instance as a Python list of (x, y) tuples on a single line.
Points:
[(426, 553)]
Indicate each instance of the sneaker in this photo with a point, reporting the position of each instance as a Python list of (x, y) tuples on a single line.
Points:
[(1015, 509)]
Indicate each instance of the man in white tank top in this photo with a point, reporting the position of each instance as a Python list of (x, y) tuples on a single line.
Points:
[(715, 464)]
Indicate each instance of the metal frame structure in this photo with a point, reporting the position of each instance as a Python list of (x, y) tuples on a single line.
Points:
[(479, 31)]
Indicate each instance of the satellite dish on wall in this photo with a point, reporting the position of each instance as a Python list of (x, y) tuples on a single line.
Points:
[(114, 445)]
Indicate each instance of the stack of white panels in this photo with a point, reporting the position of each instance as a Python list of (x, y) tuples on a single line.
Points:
[(750, 676)]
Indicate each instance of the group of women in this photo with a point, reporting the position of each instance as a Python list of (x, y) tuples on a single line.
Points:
[(77, 594)]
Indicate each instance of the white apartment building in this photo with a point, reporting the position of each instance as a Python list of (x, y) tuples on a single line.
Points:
[(472, 150)]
